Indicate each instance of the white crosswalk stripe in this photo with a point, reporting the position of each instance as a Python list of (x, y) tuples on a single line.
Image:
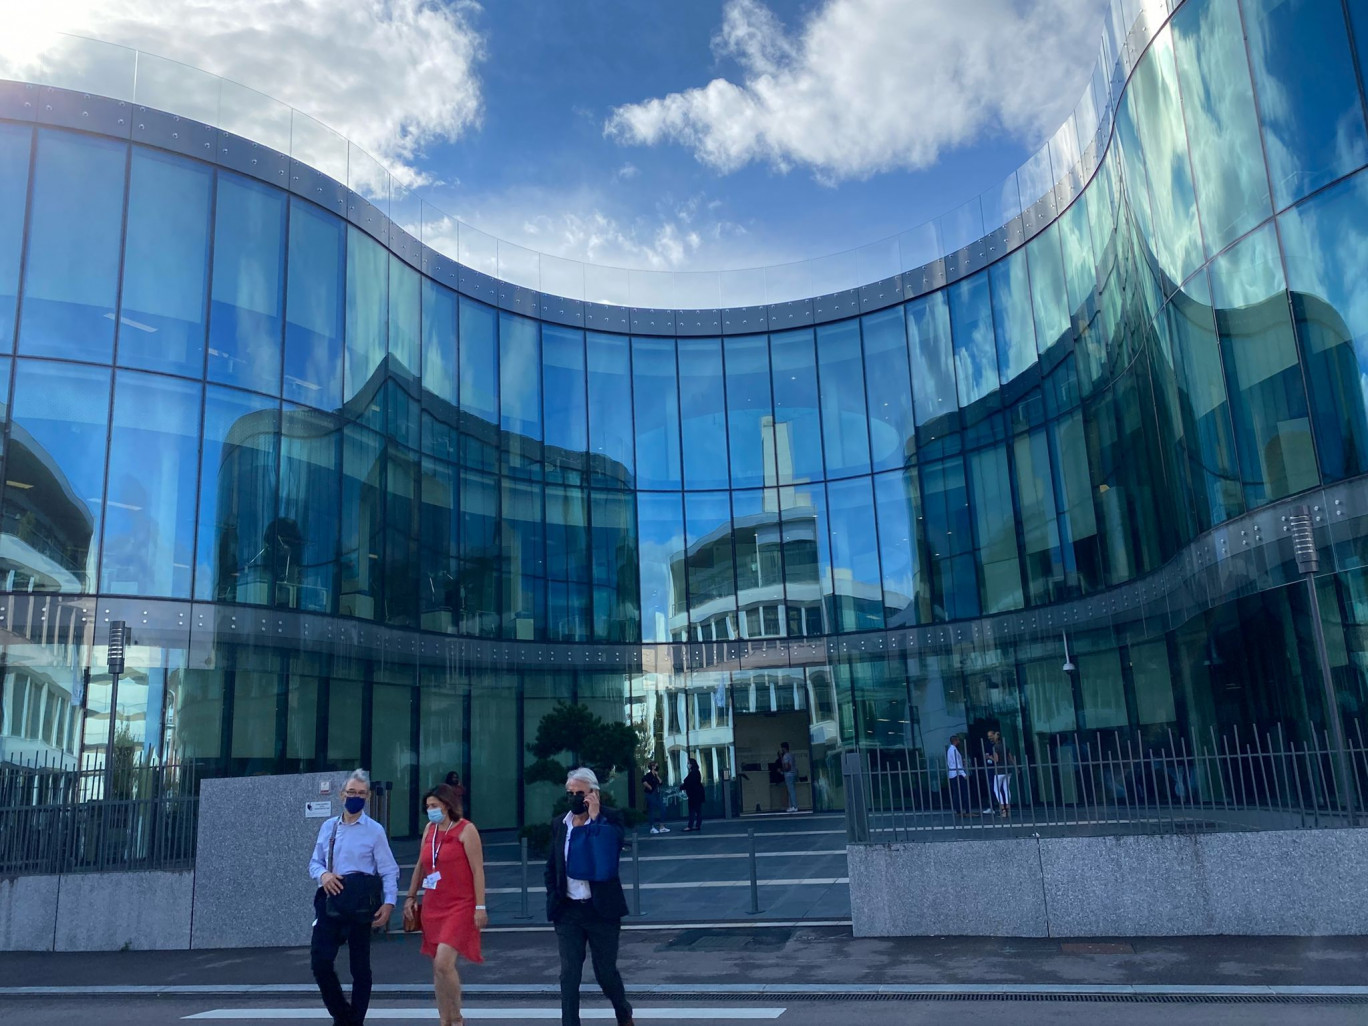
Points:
[(680, 1014)]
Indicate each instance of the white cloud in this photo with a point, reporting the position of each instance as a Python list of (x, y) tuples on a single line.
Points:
[(391, 75), (865, 86)]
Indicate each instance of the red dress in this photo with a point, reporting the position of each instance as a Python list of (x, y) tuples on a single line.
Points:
[(449, 908)]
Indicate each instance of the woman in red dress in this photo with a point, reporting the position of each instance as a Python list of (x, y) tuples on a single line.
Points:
[(450, 870)]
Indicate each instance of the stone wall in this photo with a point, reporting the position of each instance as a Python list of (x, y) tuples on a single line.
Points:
[(1296, 883), (96, 912)]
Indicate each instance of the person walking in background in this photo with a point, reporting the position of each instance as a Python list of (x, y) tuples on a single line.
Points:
[(358, 881), (1002, 773), (957, 778), (453, 781), (450, 870), (693, 791), (789, 768), (655, 801), (586, 912)]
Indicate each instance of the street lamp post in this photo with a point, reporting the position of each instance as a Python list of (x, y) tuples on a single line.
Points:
[(1302, 526), (114, 659)]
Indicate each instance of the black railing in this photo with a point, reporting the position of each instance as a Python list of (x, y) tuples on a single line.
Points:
[(58, 820), (1241, 781)]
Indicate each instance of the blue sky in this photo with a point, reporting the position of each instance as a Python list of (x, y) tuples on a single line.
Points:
[(662, 134)]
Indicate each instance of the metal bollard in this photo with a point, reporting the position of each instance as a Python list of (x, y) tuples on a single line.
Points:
[(636, 872), (755, 883), (523, 911)]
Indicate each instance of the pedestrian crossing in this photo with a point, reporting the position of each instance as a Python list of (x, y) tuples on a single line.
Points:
[(523, 1014)]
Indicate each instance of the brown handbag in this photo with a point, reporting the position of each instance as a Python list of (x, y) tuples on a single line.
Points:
[(413, 918)]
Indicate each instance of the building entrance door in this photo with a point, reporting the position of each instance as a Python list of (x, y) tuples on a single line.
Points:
[(758, 736)]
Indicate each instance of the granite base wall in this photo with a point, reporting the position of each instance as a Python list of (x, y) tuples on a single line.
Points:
[(252, 886), (1273, 883), (124, 912), (28, 912)]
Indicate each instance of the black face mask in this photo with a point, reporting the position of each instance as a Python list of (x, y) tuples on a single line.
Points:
[(578, 805)]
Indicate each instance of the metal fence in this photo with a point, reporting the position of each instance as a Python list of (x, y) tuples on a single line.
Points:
[(1233, 782), (55, 819)]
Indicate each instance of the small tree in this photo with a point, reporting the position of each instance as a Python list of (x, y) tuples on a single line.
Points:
[(603, 746)]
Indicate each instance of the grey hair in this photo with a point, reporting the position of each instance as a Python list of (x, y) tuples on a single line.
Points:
[(585, 775), (361, 775)]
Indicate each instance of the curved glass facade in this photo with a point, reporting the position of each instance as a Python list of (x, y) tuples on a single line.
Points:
[(361, 507)]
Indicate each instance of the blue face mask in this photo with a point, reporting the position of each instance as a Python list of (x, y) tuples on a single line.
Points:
[(354, 805), (435, 815)]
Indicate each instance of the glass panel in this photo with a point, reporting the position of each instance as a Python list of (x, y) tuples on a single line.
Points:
[(710, 564), (479, 361), (54, 474), (1153, 94), (247, 295), (807, 566), (856, 581), (564, 408), (15, 143), (1222, 124), (933, 358), (897, 502), (1312, 112), (845, 430), (393, 757), (1104, 694), (520, 392), (1153, 684), (971, 314), (524, 560), (439, 341), (314, 309), (569, 601), (703, 412), (480, 554), (656, 402), (1039, 526), (360, 549), (305, 540), (166, 265), (610, 417), (71, 273), (750, 415), (660, 528), (1330, 304), (1013, 316), (949, 541), (1074, 500), (797, 416), (759, 552), (1049, 297), (995, 523), (438, 540), (149, 521), (1272, 429), (404, 342), (615, 552), (367, 326), (400, 564), (237, 498), (892, 436)]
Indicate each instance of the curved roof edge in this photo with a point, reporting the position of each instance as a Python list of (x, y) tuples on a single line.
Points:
[(96, 86)]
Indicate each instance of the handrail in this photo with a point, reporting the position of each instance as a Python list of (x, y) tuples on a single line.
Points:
[(990, 223)]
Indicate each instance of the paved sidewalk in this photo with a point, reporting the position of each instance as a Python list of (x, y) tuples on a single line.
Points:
[(748, 959)]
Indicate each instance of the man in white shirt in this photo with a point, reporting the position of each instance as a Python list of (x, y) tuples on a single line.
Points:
[(355, 870), (957, 777)]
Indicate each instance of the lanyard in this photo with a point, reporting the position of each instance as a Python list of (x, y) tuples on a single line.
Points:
[(437, 848)]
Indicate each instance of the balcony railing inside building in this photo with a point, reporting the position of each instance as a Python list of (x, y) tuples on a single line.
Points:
[(981, 229), (1237, 781)]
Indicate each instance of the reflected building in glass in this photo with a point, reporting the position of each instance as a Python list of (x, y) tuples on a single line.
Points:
[(363, 504)]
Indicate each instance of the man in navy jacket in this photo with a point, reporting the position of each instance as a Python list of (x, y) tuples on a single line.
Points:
[(585, 913)]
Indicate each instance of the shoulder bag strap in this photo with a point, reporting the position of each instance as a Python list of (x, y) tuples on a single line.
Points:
[(333, 843)]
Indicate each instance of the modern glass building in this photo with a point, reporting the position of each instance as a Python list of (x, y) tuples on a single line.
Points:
[(365, 498)]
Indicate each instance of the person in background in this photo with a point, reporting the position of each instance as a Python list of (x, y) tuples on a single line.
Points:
[(584, 912), (453, 781), (789, 768), (358, 881), (655, 801), (1002, 773), (693, 791), (957, 778), (450, 869)]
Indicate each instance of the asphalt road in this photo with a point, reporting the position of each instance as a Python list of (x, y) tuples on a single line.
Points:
[(165, 1011)]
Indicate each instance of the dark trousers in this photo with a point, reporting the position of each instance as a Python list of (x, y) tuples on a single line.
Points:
[(695, 813), (328, 936), (577, 927)]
